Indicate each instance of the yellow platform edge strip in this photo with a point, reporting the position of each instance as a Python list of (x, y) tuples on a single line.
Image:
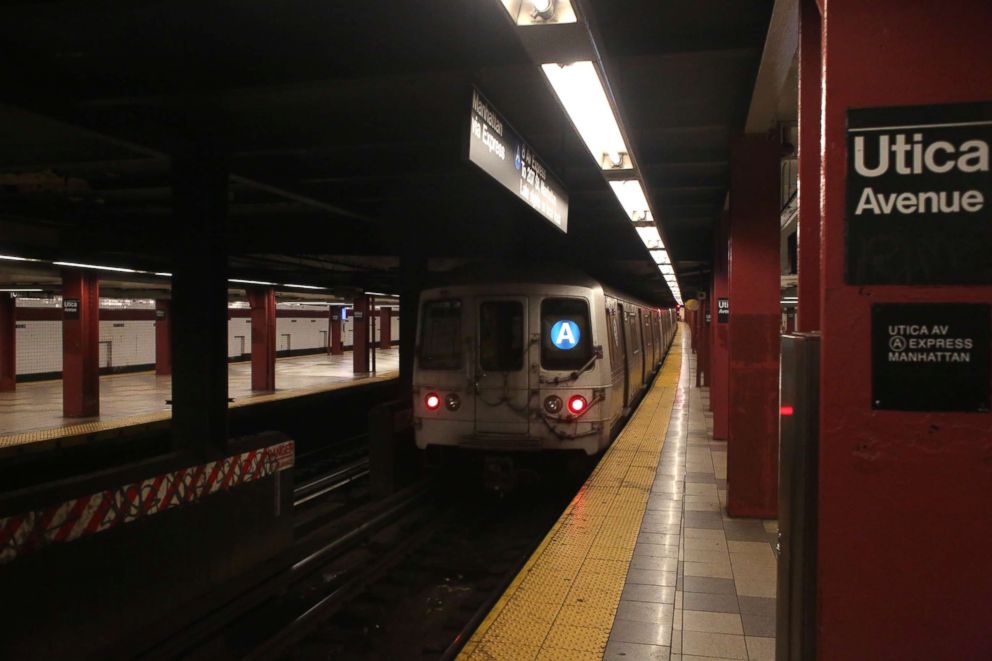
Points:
[(563, 602)]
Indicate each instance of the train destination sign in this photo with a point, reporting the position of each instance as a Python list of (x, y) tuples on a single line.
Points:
[(919, 195), (931, 356), (502, 154), (722, 310)]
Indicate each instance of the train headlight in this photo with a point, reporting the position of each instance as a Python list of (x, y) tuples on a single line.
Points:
[(432, 401), (453, 402), (552, 403), (577, 404)]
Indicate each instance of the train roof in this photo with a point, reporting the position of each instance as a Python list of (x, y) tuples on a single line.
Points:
[(490, 273)]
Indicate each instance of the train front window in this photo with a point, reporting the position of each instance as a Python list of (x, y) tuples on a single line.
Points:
[(501, 336), (566, 340), (441, 335)]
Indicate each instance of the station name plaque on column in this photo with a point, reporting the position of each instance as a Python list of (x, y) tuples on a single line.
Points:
[(70, 308), (931, 356), (502, 154), (722, 310), (919, 195)]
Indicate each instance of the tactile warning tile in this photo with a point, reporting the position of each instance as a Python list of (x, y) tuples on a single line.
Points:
[(563, 602)]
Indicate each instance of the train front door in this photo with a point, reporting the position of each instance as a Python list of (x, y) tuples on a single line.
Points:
[(502, 387)]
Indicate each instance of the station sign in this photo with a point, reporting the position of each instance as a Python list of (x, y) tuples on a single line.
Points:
[(931, 356), (502, 154), (722, 310), (919, 195), (70, 308)]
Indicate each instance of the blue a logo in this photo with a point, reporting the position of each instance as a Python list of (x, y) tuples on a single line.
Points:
[(565, 334), (516, 159)]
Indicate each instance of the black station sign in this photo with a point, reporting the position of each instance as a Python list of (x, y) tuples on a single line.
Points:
[(919, 195), (931, 356), (722, 310), (502, 154), (70, 308), (160, 314)]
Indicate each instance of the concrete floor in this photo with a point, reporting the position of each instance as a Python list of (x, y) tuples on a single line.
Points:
[(37, 405)]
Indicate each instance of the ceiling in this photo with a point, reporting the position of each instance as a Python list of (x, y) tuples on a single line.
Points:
[(345, 124)]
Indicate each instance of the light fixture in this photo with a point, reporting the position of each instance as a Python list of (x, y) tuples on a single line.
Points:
[(16, 290), (650, 237), (581, 93), (632, 198), (12, 258), (97, 267), (614, 160), (303, 286), (163, 275), (250, 282), (539, 12), (543, 9), (660, 257), (666, 269)]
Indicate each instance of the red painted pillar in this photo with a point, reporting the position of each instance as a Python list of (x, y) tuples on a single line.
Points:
[(808, 312), (8, 340), (887, 475), (163, 337), (80, 344), (360, 335), (719, 365), (755, 320), (385, 328), (336, 347), (263, 337)]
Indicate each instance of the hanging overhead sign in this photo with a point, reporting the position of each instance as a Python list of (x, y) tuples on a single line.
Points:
[(931, 356), (502, 154), (919, 195)]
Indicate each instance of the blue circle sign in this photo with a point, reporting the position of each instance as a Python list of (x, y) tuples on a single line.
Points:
[(565, 334)]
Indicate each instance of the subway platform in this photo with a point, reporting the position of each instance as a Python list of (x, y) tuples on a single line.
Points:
[(33, 413), (644, 563)]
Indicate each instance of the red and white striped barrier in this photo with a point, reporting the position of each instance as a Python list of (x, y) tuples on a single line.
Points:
[(81, 517)]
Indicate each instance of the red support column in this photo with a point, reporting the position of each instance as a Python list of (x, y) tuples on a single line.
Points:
[(385, 328), (263, 337), (360, 335), (887, 475), (8, 339), (80, 344), (163, 338), (810, 88), (336, 347), (719, 365), (755, 318)]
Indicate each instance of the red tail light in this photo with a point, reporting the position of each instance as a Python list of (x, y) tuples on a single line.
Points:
[(786, 410), (432, 401), (577, 404)]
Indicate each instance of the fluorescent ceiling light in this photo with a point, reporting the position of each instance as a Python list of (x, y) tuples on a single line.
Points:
[(540, 12), (303, 286), (14, 290), (660, 257), (379, 293), (650, 237), (666, 269), (96, 266), (12, 258), (581, 93), (250, 282), (632, 198), (164, 275)]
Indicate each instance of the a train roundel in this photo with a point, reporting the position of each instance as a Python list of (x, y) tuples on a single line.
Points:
[(565, 334)]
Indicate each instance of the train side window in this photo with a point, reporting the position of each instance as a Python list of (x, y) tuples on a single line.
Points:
[(566, 342), (501, 336), (441, 335), (613, 331)]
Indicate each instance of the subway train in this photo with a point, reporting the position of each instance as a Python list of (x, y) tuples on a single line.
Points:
[(527, 360)]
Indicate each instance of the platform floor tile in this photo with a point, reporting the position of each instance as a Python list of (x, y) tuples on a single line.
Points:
[(575, 579)]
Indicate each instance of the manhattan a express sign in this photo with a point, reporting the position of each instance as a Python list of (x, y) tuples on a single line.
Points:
[(919, 195)]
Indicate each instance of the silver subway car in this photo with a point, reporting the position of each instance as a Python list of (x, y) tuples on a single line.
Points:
[(548, 362)]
